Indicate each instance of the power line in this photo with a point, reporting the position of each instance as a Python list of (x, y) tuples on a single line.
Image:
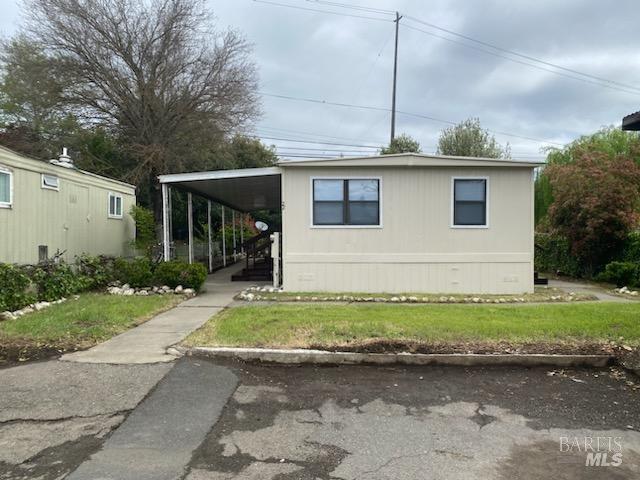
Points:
[(321, 11), (538, 67), (526, 57), (353, 7), (411, 114), (313, 141), (316, 149), (314, 134), (599, 81)]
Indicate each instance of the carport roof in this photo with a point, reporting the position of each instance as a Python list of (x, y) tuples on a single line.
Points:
[(244, 190)]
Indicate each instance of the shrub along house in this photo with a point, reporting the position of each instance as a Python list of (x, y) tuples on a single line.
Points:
[(52, 207), (392, 223)]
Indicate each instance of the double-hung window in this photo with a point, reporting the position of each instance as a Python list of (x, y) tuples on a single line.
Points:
[(353, 201), (470, 202), (115, 205), (6, 188)]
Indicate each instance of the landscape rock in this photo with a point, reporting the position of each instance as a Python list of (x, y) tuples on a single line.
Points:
[(179, 289)]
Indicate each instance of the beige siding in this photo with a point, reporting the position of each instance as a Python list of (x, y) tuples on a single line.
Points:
[(73, 219), (415, 250)]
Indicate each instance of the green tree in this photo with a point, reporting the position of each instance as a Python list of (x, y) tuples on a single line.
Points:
[(156, 75), (33, 118), (611, 142), (401, 144), (469, 139), (595, 205)]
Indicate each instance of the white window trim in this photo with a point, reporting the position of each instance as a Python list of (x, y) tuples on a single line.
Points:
[(115, 195), (8, 204), (347, 177), (48, 187), (453, 202)]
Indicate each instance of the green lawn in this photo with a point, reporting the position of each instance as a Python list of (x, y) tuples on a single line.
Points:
[(77, 324), (335, 325)]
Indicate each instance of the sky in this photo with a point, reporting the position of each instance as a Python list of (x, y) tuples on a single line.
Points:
[(309, 53)]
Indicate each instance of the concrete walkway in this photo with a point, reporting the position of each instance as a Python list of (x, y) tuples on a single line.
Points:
[(148, 343), (587, 288)]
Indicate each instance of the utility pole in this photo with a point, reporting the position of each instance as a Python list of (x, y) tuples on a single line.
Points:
[(395, 75)]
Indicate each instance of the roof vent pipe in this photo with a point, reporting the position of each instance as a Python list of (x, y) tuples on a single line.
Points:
[(64, 160)]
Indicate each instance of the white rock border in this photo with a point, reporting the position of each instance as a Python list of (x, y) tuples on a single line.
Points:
[(255, 294), (126, 290), (34, 307), (625, 291)]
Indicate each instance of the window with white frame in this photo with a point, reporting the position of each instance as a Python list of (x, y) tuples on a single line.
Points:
[(353, 201), (50, 182), (115, 205), (6, 188), (469, 202)]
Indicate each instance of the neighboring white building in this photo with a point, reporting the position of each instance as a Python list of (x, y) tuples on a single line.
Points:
[(52, 207), (392, 223)]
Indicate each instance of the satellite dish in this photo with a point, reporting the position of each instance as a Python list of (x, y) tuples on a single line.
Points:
[(263, 227)]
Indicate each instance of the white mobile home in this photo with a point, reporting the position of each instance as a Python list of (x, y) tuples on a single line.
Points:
[(392, 223), (52, 207)]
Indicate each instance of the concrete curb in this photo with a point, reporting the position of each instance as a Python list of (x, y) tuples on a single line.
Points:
[(299, 356)]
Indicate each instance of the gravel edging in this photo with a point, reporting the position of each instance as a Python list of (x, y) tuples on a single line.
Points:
[(301, 356)]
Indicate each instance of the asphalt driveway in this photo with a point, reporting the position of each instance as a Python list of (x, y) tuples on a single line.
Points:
[(231, 420)]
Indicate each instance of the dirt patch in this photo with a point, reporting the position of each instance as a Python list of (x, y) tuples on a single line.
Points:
[(23, 350), (390, 346), (629, 359)]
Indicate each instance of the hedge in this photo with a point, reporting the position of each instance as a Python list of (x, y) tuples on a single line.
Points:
[(22, 286), (553, 255), (176, 273)]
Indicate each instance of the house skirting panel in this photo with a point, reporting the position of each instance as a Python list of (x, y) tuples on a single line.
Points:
[(504, 274)]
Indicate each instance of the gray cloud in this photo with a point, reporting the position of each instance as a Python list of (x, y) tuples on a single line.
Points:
[(343, 59)]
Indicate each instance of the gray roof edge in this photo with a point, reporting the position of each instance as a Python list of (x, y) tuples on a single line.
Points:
[(284, 163), (219, 174)]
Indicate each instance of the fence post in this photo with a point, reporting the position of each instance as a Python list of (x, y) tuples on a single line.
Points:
[(165, 223), (209, 236), (224, 241)]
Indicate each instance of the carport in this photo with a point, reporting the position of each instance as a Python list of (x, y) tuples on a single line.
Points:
[(243, 191)]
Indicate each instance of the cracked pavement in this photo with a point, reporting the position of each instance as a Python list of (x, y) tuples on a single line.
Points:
[(306, 422), (375, 423), (54, 415)]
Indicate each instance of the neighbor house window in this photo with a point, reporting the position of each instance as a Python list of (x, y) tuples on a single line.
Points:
[(469, 202), (115, 205), (6, 188), (50, 182), (346, 202)]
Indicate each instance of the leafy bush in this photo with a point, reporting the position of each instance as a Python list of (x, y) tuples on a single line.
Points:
[(57, 280), (97, 271), (137, 272), (631, 252), (145, 228), (623, 274), (553, 254), (176, 273), (13, 288)]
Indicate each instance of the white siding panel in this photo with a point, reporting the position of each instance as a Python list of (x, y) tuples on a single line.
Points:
[(415, 250), (73, 219)]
